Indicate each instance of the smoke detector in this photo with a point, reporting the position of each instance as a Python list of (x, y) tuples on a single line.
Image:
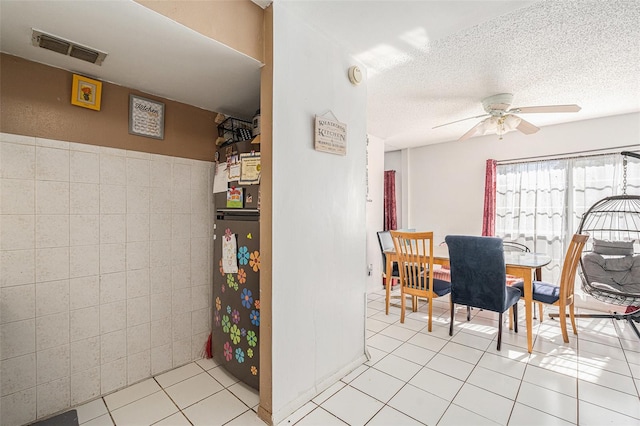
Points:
[(66, 47)]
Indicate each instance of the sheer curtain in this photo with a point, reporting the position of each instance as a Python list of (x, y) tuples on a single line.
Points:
[(541, 203), (531, 201), (598, 177)]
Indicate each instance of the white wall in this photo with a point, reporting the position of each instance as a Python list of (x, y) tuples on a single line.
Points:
[(105, 270), (319, 221), (446, 181), (375, 216)]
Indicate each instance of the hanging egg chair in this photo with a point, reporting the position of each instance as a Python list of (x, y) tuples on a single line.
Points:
[(610, 264)]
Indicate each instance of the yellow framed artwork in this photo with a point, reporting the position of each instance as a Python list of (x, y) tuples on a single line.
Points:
[(86, 92)]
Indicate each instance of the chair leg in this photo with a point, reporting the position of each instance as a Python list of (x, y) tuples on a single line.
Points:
[(499, 330), (453, 308), (572, 315), (510, 318), (403, 301), (388, 280), (414, 304), (468, 313), (430, 313), (541, 308), (515, 317), (563, 323)]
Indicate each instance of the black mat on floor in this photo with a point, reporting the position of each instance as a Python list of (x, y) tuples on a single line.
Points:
[(70, 418)]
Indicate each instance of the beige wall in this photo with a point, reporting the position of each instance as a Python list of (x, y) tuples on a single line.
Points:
[(235, 23), (36, 101)]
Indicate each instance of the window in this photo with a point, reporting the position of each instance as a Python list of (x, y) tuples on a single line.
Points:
[(541, 203)]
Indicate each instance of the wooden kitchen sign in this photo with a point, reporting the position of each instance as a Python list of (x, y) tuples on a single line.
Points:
[(330, 136)]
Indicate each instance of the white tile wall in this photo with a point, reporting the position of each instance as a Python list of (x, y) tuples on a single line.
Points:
[(105, 270)]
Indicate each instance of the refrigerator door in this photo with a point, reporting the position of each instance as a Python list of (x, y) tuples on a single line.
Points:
[(236, 297)]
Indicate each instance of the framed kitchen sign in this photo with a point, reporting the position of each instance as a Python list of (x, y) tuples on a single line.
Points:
[(86, 92), (146, 117), (330, 135)]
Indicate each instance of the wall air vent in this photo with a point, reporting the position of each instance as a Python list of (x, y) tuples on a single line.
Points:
[(66, 47)]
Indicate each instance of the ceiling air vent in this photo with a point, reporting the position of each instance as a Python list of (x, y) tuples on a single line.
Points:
[(66, 47)]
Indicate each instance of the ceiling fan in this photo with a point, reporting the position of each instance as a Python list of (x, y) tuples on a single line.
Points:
[(501, 119)]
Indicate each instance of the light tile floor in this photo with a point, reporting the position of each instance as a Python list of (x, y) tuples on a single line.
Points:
[(417, 378)]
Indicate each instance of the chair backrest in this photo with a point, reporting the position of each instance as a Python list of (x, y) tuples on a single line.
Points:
[(478, 271), (515, 246), (386, 243), (414, 251), (570, 266), (384, 238)]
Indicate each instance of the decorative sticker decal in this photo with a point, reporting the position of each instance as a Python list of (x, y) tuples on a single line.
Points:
[(243, 255), (239, 356), (226, 324), (228, 351), (231, 282), (242, 276), (234, 334), (255, 317), (247, 299), (252, 339), (255, 261)]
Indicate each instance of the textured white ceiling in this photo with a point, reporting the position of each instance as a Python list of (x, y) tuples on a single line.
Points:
[(427, 62), (432, 62)]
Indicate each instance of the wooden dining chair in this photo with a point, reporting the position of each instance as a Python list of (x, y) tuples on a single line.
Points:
[(414, 251), (562, 295), (479, 278)]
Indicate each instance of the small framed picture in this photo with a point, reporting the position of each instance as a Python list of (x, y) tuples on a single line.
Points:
[(146, 117), (86, 92)]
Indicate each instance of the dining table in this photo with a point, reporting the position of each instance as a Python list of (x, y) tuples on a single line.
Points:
[(518, 264)]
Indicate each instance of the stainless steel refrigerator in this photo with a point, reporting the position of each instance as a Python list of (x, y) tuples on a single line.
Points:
[(235, 336)]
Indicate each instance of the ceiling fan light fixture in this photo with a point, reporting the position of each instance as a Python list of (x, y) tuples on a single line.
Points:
[(499, 125), (501, 118)]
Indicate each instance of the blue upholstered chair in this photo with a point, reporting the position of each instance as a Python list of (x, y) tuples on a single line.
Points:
[(478, 278), (386, 243)]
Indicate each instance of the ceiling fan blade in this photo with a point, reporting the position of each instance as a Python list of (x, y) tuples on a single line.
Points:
[(464, 119), (546, 108), (471, 131), (526, 127)]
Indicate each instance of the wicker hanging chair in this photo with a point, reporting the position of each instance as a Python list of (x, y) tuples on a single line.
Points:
[(610, 264)]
